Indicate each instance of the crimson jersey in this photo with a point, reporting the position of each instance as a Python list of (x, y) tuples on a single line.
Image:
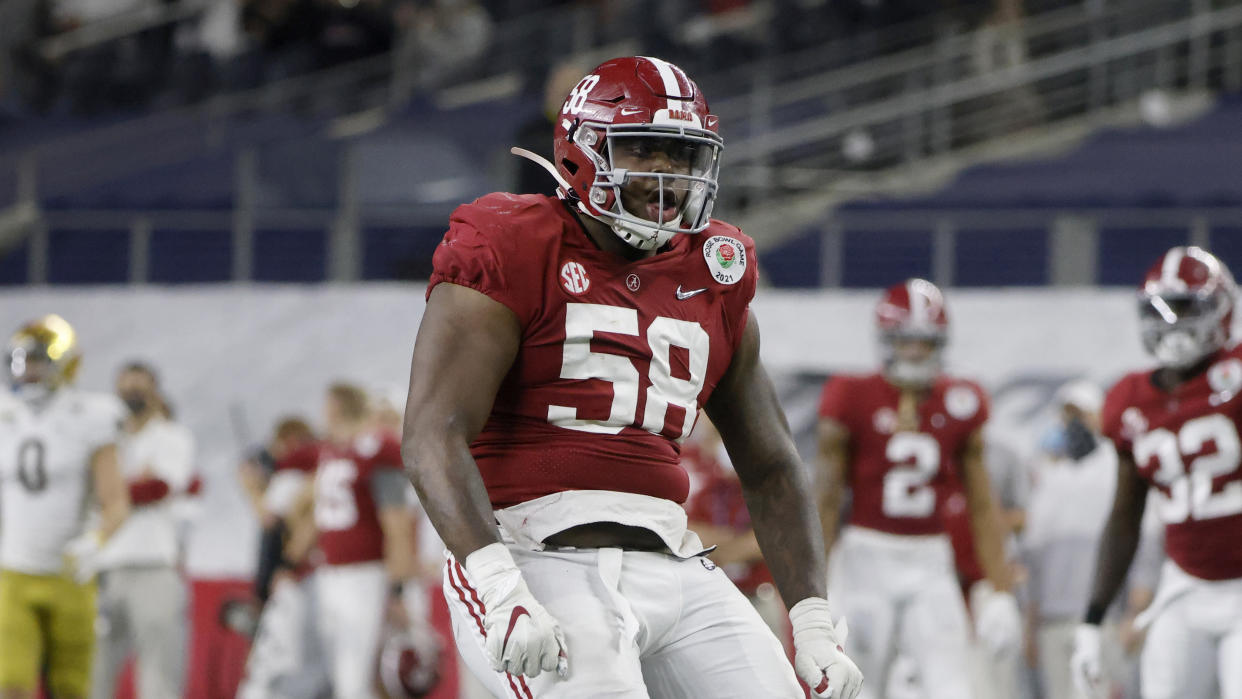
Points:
[(898, 478), (1185, 443), (616, 356), (346, 515)]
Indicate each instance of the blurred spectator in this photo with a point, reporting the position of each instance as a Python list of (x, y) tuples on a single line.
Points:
[(355, 515), (1072, 480), (993, 675), (142, 597), (270, 493), (285, 651), (535, 135), (22, 70), (441, 43)]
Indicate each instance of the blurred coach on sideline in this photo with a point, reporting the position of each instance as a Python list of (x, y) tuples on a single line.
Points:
[(142, 596)]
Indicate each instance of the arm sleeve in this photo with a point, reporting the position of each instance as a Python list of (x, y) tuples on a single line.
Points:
[(147, 490), (472, 255)]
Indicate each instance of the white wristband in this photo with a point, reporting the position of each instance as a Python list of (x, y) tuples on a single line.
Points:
[(809, 607), (493, 571)]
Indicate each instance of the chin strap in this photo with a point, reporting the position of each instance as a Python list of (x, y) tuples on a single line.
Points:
[(543, 163), (566, 191), (616, 225)]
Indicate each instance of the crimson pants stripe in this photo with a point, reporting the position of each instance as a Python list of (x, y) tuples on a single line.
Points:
[(460, 586), (461, 594)]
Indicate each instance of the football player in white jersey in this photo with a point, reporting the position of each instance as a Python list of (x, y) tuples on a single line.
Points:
[(57, 455)]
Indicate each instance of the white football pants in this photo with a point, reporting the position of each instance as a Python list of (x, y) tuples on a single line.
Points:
[(900, 595), (637, 625), (1194, 645), (350, 603), (285, 660)]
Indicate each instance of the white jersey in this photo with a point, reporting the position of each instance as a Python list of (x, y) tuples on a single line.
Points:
[(164, 450), (45, 474)]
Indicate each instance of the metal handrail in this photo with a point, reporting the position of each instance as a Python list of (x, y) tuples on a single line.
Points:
[(943, 95), (901, 63)]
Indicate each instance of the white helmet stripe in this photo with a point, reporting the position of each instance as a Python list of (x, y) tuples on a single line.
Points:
[(671, 87), (1171, 267), (918, 304)]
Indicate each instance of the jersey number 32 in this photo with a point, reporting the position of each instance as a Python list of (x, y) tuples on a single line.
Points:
[(1190, 490)]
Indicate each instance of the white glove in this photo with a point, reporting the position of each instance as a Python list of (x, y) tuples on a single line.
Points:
[(819, 655), (82, 554), (522, 637), (998, 620), (1086, 664)]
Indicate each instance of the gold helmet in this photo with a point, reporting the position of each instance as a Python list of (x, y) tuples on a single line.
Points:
[(43, 353)]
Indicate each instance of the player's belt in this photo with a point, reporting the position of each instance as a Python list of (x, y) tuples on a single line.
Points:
[(603, 535)]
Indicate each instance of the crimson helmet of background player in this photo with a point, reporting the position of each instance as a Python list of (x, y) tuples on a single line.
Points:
[(913, 328), (634, 109), (1186, 307)]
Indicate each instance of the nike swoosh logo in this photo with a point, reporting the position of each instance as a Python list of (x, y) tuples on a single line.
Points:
[(683, 295), (626, 111), (518, 613)]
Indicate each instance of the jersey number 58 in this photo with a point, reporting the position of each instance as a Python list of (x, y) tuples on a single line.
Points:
[(583, 320)]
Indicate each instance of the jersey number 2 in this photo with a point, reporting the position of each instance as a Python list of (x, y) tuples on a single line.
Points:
[(583, 320), (1190, 493), (907, 485)]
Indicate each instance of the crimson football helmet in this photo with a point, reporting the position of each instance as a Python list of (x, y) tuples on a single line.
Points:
[(1186, 307), (628, 112), (912, 311), (409, 664)]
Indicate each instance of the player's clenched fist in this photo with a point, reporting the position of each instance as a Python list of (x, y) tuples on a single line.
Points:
[(1086, 665), (819, 654), (522, 637)]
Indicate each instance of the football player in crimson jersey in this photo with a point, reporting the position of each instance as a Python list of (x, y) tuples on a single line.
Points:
[(363, 530), (1176, 431), (567, 345), (899, 440)]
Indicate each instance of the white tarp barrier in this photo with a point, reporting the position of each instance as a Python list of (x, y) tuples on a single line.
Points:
[(249, 354)]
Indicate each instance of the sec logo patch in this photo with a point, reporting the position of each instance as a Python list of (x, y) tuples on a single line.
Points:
[(574, 278), (726, 258)]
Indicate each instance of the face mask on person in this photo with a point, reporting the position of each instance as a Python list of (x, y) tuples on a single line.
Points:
[(136, 402), (1079, 440), (1072, 440)]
